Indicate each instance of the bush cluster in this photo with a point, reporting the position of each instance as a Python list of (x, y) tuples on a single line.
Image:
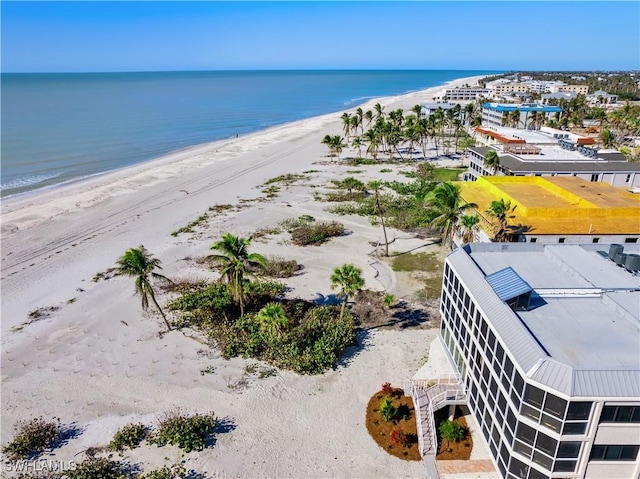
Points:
[(129, 436), (188, 432), (310, 343), (278, 267), (100, 468), (387, 409), (316, 233), (289, 225), (32, 438)]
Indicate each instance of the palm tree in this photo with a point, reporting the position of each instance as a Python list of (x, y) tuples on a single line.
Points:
[(470, 228), (376, 186), (379, 110), (346, 123), (349, 280), (139, 263), (502, 211), (608, 138), (368, 115), (492, 160), (360, 116), (337, 144), (417, 109), (273, 319), (357, 143), (447, 202), (327, 141), (371, 137), (236, 262)]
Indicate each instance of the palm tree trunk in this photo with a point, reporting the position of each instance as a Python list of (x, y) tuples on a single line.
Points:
[(153, 298), (344, 303)]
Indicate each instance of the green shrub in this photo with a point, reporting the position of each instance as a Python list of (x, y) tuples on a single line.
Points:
[(341, 196), (100, 468), (386, 170), (32, 438), (317, 233), (389, 299), (129, 436), (175, 471), (350, 184), (387, 409), (189, 433), (292, 223), (363, 161), (278, 267)]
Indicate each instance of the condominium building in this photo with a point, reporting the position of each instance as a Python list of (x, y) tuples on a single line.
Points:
[(549, 152), (555, 209), (545, 340), (578, 89), (506, 88), (465, 94), (429, 109), (493, 113), (601, 97)]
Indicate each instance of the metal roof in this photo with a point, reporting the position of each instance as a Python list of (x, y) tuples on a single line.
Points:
[(508, 284), (522, 108), (515, 164), (581, 345)]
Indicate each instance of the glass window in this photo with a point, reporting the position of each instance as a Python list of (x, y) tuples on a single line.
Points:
[(508, 367), (535, 474), (564, 466), (526, 433), (518, 469), (518, 383), (597, 452), (511, 420), (530, 412), (608, 414), (502, 403), (534, 396), (612, 453), (624, 414), (509, 436), (569, 449), (629, 453), (555, 406), (499, 353), (546, 444), (491, 343), (574, 428), (523, 449), (551, 422), (542, 459), (578, 411), (493, 387)]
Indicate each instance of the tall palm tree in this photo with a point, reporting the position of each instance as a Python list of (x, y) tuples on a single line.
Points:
[(371, 137), (273, 319), (492, 160), (236, 261), (376, 186), (368, 115), (470, 228), (348, 279), (360, 116), (346, 124), (502, 211), (417, 109), (608, 138), (445, 199), (337, 144), (379, 110), (357, 143), (139, 263)]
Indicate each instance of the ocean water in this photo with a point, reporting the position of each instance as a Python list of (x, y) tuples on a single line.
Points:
[(61, 127)]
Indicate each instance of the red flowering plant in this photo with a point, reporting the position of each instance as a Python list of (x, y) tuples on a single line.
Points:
[(387, 390), (400, 438)]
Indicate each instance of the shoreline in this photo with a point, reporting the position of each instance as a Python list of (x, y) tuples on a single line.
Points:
[(94, 358), (216, 143)]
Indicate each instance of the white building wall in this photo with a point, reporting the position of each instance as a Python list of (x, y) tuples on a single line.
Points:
[(611, 470), (618, 433)]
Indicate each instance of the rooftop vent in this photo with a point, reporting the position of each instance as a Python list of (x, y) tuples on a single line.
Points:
[(511, 288), (614, 249), (632, 263)]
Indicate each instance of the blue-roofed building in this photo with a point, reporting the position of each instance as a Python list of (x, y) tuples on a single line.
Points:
[(494, 113), (543, 342)]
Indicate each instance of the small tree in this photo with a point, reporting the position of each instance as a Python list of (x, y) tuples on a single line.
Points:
[(272, 319), (451, 431), (387, 409), (139, 263), (492, 160), (349, 280)]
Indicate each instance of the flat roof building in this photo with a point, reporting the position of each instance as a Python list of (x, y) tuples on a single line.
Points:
[(494, 113), (545, 342), (557, 209)]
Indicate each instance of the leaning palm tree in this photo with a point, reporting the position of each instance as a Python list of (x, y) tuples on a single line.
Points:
[(492, 160), (357, 143), (376, 186), (445, 199), (502, 211), (272, 319), (337, 144), (346, 123), (349, 280), (139, 263), (236, 262), (470, 228)]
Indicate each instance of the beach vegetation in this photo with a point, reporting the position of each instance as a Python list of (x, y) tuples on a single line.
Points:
[(217, 208), (41, 313), (31, 438), (287, 179), (449, 207), (104, 275), (316, 233), (387, 409), (376, 186), (278, 267), (291, 224), (469, 228), (389, 300), (189, 228), (175, 471), (102, 468), (236, 263), (140, 264), (348, 280), (502, 211), (386, 170), (350, 184), (129, 436), (190, 432)]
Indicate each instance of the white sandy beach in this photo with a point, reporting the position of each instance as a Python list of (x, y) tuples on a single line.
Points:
[(98, 362)]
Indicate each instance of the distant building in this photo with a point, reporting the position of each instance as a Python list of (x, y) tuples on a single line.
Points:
[(543, 341), (506, 88), (602, 98), (465, 94), (579, 89), (569, 95), (429, 109), (493, 113), (557, 209)]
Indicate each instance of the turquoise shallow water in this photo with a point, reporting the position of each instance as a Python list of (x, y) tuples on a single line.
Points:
[(61, 127)]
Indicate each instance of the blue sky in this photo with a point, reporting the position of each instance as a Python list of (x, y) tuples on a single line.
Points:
[(155, 36)]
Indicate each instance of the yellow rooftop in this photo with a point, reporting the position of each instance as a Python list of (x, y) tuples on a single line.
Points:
[(557, 205)]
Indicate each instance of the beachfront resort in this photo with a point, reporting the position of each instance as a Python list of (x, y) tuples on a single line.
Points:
[(439, 284)]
